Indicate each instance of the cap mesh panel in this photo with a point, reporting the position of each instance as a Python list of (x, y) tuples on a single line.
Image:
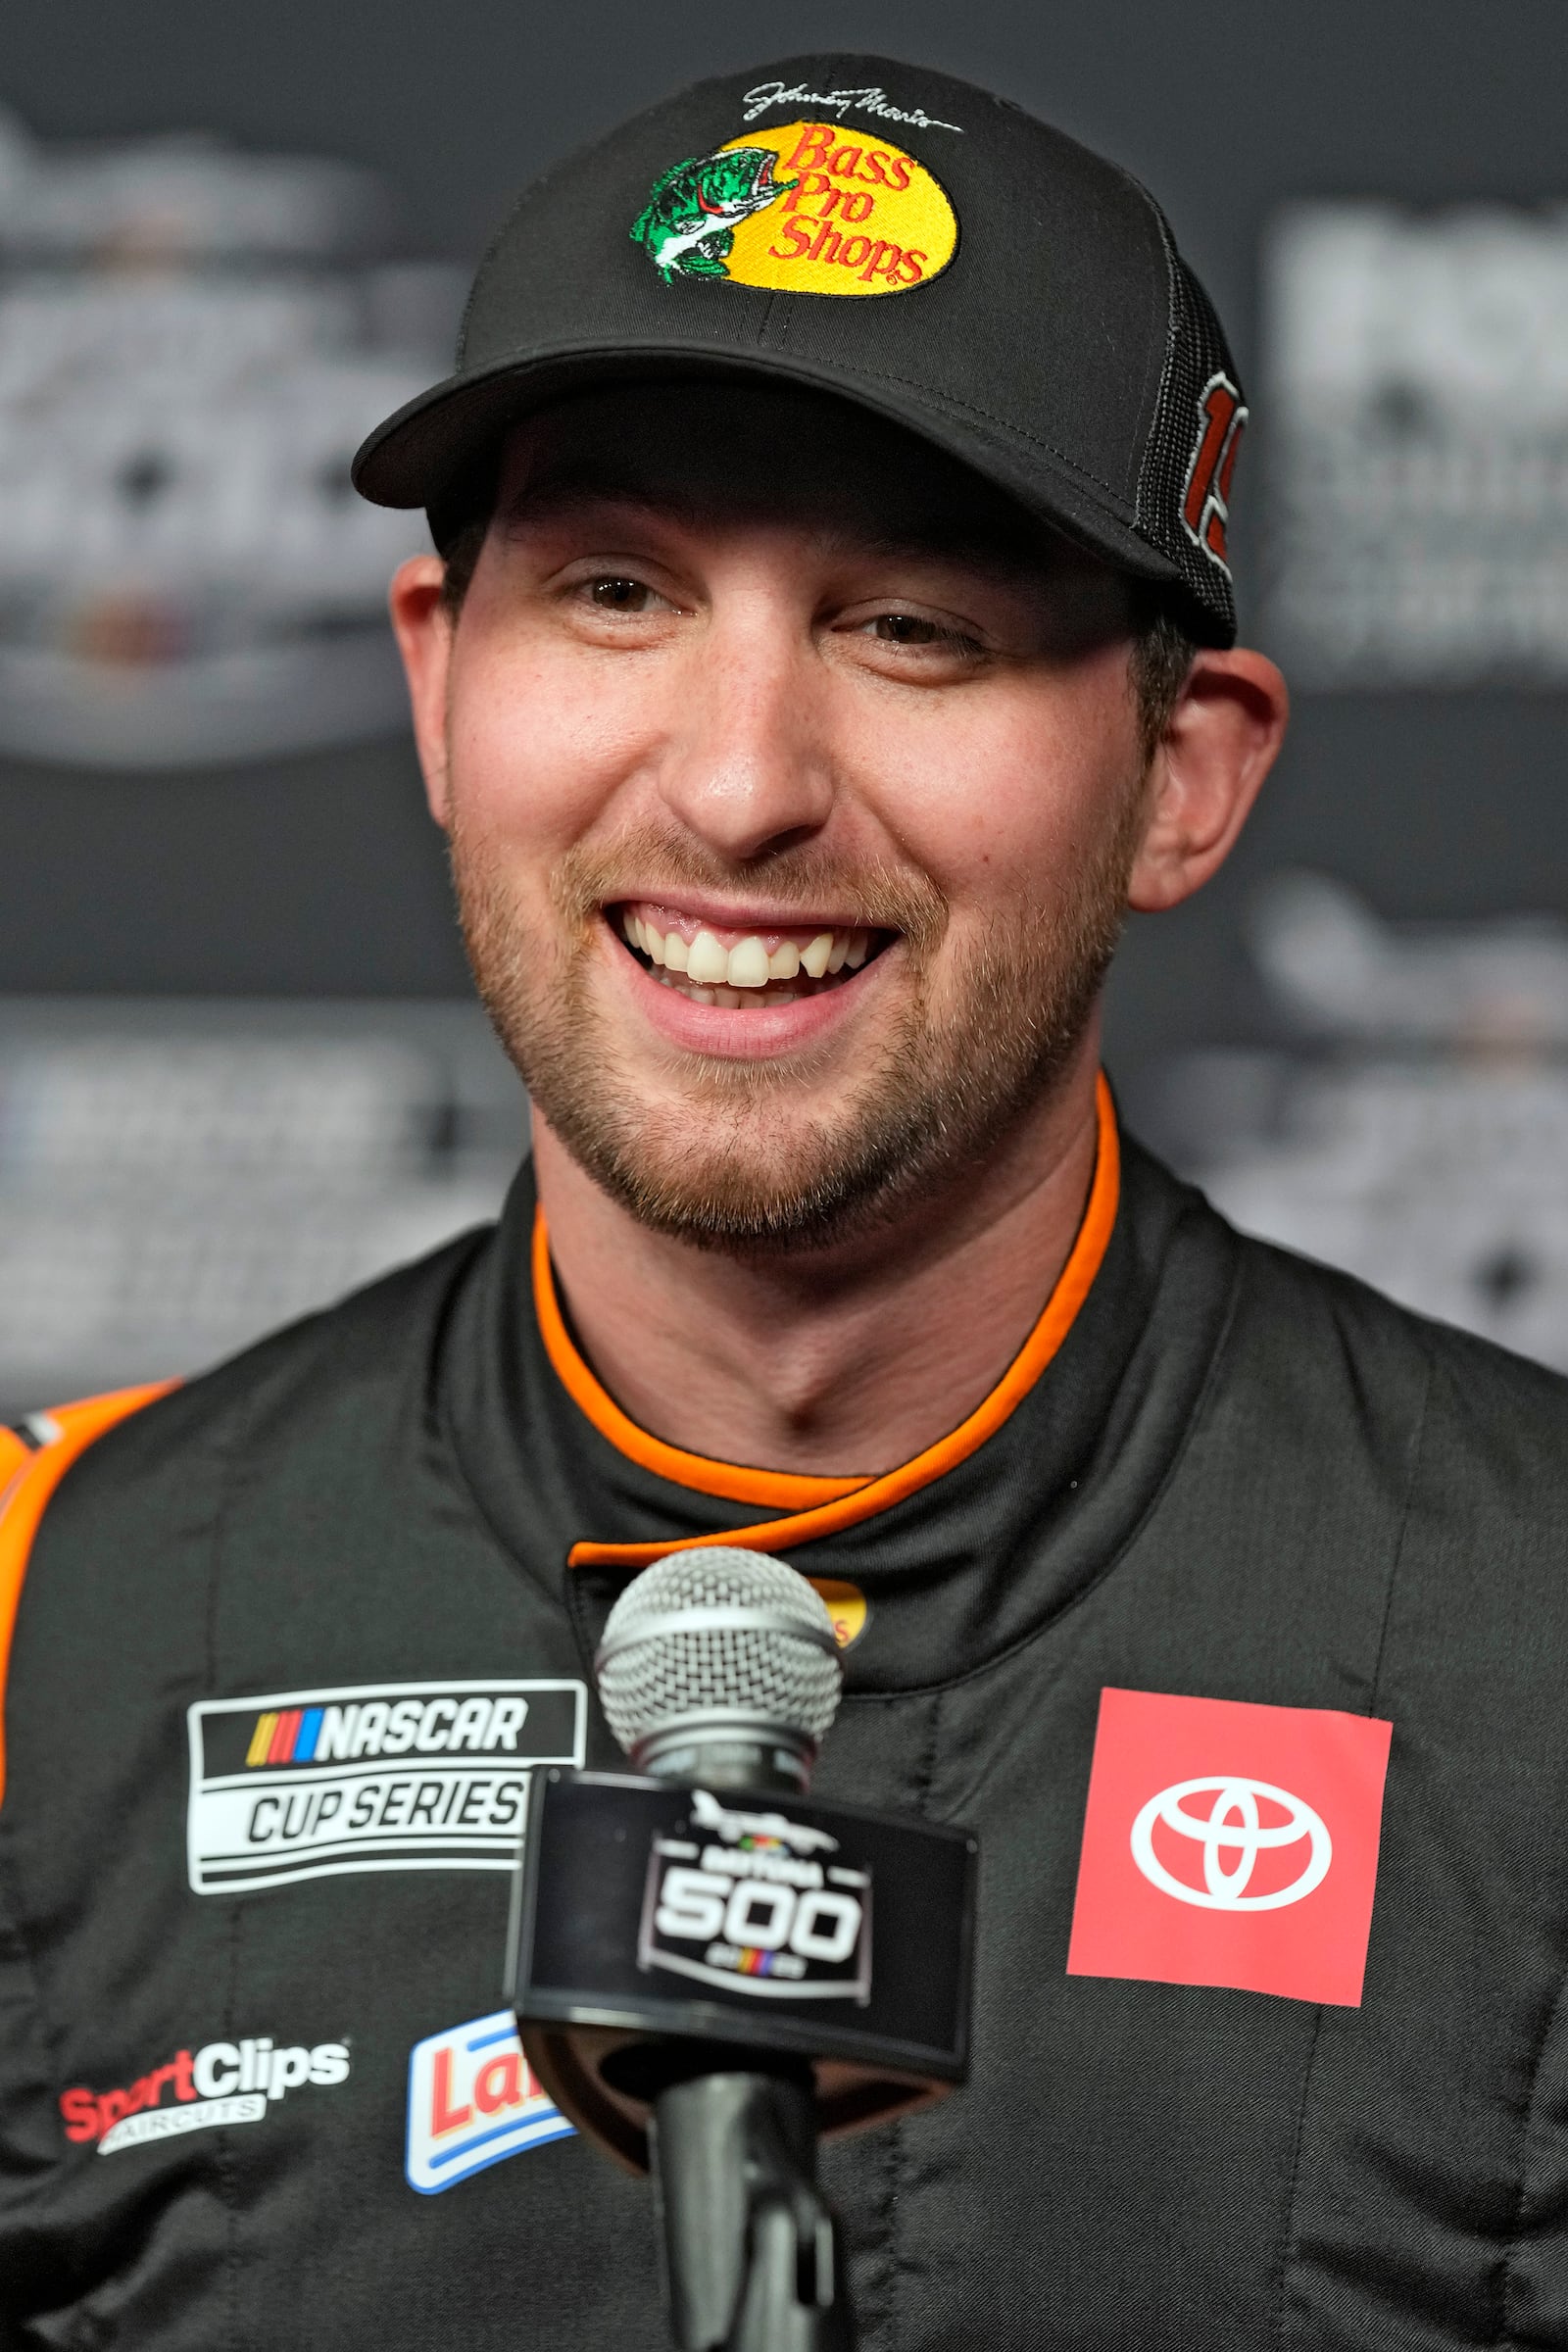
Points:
[(1196, 351)]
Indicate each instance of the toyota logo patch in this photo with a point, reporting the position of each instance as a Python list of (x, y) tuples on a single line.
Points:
[(1230, 1843), (1231, 1835)]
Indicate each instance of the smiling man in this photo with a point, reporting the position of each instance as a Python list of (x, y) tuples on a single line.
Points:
[(797, 783), (831, 637)]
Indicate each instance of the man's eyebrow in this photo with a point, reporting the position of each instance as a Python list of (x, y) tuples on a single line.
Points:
[(977, 549), (560, 491)]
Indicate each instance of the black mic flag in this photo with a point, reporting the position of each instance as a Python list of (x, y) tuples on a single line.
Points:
[(709, 1968)]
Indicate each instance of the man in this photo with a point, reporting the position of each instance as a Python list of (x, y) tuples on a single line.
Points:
[(831, 638)]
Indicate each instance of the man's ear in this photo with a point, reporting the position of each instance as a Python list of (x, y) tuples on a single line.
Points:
[(422, 627), (1218, 745)]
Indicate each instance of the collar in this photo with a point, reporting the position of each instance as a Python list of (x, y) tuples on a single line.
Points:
[(959, 1552), (806, 1511)]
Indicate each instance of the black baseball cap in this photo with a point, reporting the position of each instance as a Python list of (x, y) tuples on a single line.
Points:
[(883, 232)]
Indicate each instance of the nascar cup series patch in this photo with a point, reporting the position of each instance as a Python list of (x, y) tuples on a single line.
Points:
[(473, 2102), (806, 207), (396, 1776)]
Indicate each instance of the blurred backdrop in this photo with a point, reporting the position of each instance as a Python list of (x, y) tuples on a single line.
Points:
[(239, 1066)]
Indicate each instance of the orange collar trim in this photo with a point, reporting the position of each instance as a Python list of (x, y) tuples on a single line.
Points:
[(816, 1507), (773, 1490)]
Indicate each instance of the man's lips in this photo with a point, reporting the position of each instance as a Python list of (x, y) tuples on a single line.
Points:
[(742, 964)]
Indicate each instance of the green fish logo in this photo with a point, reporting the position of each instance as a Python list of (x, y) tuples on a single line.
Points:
[(686, 224)]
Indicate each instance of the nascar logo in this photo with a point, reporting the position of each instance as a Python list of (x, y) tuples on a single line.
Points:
[(473, 2101), (376, 1728), (405, 1775)]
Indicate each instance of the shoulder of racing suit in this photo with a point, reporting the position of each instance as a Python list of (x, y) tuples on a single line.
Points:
[(112, 1476)]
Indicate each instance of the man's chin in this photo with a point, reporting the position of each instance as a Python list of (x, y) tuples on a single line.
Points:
[(747, 1187)]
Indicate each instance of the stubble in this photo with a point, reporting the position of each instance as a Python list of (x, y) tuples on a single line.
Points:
[(731, 1159)]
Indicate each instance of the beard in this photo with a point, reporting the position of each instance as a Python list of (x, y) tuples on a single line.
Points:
[(734, 1164)]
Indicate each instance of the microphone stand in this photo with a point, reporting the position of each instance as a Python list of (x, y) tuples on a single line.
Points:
[(751, 2248), (719, 1679)]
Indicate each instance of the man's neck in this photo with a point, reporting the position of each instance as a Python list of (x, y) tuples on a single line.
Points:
[(832, 1363)]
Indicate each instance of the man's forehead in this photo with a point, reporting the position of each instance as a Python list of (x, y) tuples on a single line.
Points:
[(717, 452)]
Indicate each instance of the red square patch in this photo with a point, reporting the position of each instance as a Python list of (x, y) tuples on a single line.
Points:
[(1227, 1843)]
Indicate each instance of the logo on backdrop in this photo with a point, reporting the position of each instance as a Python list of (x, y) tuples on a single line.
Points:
[(1255, 1866), (395, 1776), (752, 1902), (1207, 491), (223, 2082), (473, 2101), (804, 208)]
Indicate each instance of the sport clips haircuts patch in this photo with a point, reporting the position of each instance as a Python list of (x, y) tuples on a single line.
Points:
[(394, 1776), (211, 2088), (804, 209)]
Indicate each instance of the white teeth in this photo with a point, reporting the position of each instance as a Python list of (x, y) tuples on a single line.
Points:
[(706, 960), (729, 997), (748, 965), (718, 971)]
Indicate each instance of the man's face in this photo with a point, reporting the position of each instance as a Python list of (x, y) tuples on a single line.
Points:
[(792, 782)]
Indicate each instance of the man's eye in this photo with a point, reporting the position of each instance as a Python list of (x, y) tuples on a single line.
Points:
[(612, 594), (908, 628)]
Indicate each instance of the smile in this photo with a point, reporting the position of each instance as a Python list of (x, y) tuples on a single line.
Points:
[(713, 963)]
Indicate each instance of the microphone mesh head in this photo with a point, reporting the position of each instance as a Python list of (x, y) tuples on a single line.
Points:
[(770, 1657)]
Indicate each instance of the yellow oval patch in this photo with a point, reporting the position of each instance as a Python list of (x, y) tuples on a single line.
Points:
[(845, 1604), (861, 218)]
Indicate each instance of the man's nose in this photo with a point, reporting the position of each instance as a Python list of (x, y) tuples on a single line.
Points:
[(746, 768)]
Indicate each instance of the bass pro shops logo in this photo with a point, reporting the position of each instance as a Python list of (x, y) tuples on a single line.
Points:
[(398, 1775), (750, 1901), (221, 2083), (1228, 1843), (854, 214)]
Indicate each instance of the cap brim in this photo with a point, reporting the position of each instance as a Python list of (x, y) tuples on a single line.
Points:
[(436, 443)]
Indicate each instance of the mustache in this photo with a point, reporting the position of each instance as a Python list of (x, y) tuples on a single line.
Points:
[(647, 862)]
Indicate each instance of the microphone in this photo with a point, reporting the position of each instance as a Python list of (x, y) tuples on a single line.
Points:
[(720, 1665), (692, 1962)]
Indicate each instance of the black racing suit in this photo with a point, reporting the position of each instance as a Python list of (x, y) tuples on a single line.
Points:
[(240, 1890)]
